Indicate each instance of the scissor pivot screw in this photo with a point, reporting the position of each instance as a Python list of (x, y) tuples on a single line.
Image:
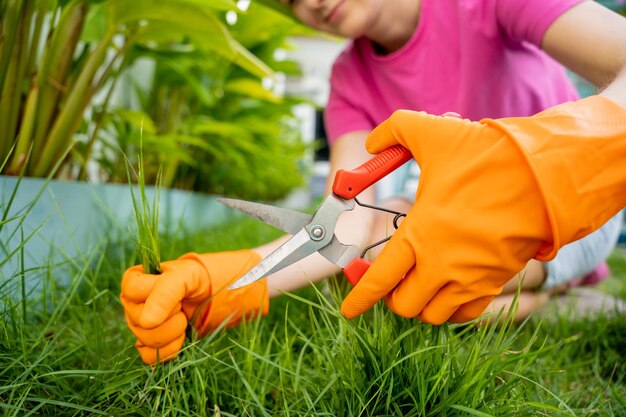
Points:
[(317, 232)]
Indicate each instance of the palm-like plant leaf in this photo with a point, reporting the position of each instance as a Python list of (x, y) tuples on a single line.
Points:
[(45, 111)]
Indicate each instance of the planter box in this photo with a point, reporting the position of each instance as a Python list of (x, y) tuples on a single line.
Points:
[(65, 223)]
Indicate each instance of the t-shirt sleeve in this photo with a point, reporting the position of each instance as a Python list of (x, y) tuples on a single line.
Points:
[(529, 19), (343, 114)]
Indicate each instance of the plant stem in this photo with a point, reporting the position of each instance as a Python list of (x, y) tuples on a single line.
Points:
[(29, 117), (82, 175), (100, 118), (36, 39), (54, 70), (68, 120), (9, 69), (6, 137), (10, 27), (15, 98), (26, 131)]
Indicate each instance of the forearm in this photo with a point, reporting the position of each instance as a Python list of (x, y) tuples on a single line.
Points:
[(353, 227), (597, 53), (311, 269), (616, 91)]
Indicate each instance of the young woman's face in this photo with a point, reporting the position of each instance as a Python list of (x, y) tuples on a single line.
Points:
[(347, 18)]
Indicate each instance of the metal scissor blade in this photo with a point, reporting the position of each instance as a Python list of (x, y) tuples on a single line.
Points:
[(336, 252), (297, 247), (340, 254), (315, 235), (287, 220)]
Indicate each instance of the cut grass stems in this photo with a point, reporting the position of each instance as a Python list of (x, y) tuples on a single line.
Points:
[(146, 214), (303, 359)]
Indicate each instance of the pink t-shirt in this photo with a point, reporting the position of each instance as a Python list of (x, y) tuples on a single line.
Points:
[(479, 58)]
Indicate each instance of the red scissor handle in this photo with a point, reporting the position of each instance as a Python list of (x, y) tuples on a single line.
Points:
[(349, 184), (356, 269)]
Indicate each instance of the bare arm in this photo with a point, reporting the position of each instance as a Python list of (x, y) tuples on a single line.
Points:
[(353, 227), (616, 91), (590, 40)]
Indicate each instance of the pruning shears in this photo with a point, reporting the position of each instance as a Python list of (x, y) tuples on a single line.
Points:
[(316, 233)]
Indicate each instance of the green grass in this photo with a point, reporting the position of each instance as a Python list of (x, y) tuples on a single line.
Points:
[(616, 284), (73, 355), (146, 213)]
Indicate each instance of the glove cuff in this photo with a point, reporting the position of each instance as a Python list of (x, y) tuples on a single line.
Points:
[(576, 152), (224, 306)]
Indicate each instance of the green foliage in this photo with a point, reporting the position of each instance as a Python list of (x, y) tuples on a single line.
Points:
[(212, 126), (616, 285), (56, 56)]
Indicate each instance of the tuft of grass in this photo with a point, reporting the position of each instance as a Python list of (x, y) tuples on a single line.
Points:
[(146, 214)]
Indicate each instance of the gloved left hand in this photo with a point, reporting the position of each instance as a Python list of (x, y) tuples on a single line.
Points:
[(190, 288)]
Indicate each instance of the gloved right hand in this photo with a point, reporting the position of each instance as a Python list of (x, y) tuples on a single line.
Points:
[(191, 288), (492, 195)]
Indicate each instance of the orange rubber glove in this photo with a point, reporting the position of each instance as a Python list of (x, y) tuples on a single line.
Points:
[(191, 288), (492, 195)]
